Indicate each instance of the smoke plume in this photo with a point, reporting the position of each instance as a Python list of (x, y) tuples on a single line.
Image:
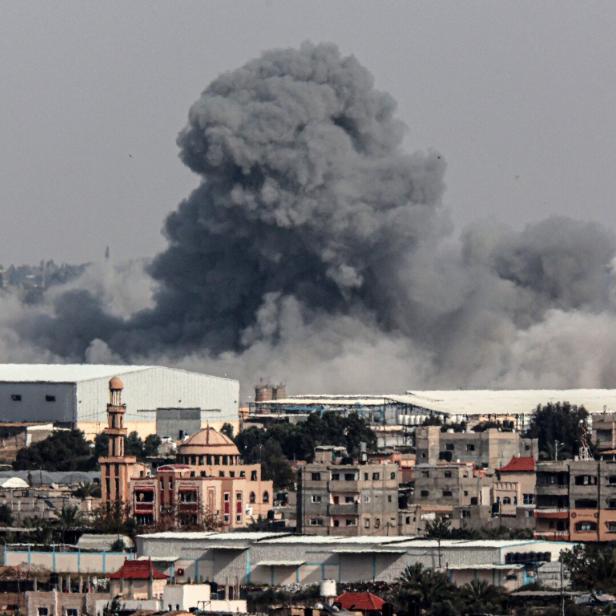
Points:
[(317, 250)]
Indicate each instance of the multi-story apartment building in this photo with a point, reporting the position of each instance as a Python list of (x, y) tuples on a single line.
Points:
[(340, 498), (451, 485), (515, 486), (604, 431), (489, 448), (576, 500)]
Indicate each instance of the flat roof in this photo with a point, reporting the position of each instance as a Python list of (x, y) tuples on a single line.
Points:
[(280, 563)]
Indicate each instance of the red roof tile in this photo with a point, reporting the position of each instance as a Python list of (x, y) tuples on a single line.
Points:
[(360, 602), (519, 465), (138, 570)]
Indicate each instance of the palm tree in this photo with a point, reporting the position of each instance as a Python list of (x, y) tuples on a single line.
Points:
[(419, 588), (480, 597), (69, 518), (439, 528)]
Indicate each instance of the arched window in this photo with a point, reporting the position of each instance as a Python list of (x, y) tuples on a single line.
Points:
[(506, 500), (252, 498), (266, 496)]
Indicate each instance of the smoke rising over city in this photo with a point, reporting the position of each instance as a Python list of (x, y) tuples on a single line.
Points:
[(317, 250)]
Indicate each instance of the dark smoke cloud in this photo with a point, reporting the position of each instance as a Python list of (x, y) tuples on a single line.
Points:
[(316, 249)]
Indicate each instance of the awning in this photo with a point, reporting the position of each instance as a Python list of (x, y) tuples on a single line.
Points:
[(280, 563), (237, 548), (160, 559)]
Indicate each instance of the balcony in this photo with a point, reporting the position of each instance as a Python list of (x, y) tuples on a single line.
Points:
[(343, 509), (552, 535)]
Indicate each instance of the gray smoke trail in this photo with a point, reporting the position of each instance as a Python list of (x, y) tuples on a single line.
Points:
[(317, 247)]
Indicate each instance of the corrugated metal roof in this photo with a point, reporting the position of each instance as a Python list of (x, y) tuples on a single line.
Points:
[(465, 401), (62, 373)]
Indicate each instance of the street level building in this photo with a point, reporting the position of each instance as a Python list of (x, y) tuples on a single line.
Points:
[(74, 395), (350, 499)]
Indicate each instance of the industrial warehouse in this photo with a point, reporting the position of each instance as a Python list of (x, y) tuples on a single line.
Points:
[(75, 395)]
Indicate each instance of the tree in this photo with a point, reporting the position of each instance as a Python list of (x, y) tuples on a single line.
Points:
[(591, 566), (101, 445), (87, 489), (275, 466), (151, 445), (6, 515), (439, 529), (227, 430), (479, 597), (420, 589), (65, 450), (69, 518), (559, 426), (133, 445)]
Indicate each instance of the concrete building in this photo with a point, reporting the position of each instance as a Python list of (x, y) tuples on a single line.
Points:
[(604, 432), (76, 395), (452, 485), (515, 486), (336, 498), (576, 500), (489, 448), (209, 485)]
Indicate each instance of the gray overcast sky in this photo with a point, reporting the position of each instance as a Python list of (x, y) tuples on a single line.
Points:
[(518, 96)]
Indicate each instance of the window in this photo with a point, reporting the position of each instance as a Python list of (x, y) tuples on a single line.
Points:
[(585, 503), (366, 498), (447, 474), (350, 522), (349, 476), (425, 473), (238, 518), (474, 500), (316, 522), (43, 611), (335, 476), (392, 475), (612, 479), (586, 526), (586, 480), (266, 496), (226, 497), (367, 523), (470, 447), (449, 446), (376, 476), (253, 475), (252, 498), (465, 492), (315, 476), (447, 494), (424, 493), (315, 498), (349, 499), (49, 398), (389, 499), (611, 527), (407, 520), (71, 611), (336, 523), (366, 476), (529, 499), (377, 522), (466, 513), (611, 503), (17, 398), (506, 500)]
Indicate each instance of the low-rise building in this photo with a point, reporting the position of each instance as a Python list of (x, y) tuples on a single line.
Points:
[(490, 448), (576, 500), (338, 498)]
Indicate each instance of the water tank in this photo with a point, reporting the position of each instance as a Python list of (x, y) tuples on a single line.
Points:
[(280, 391), (263, 393), (327, 589)]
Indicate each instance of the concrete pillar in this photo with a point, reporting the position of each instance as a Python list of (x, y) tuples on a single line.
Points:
[(68, 583), (80, 584)]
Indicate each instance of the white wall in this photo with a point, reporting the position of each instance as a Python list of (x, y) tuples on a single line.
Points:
[(33, 406)]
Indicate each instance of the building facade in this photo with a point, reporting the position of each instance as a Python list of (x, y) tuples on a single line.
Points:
[(336, 498), (209, 486), (489, 448), (576, 500), (74, 395)]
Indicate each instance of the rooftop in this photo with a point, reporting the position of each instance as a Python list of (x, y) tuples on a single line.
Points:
[(62, 373), (138, 570), (360, 602), (519, 465)]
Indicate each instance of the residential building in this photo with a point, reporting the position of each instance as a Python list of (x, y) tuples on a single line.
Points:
[(336, 497), (137, 579), (576, 500), (604, 432), (74, 395), (515, 486), (489, 448), (208, 486), (439, 488)]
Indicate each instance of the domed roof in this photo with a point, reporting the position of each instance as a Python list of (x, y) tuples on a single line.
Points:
[(116, 383), (208, 441)]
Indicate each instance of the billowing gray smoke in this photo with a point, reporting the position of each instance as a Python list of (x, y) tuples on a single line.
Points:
[(316, 249)]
